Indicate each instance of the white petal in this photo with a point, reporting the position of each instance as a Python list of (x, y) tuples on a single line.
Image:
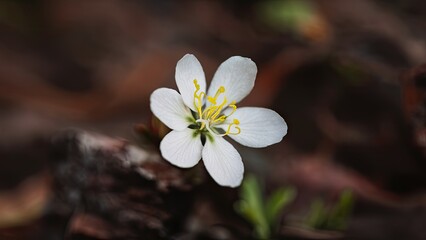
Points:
[(187, 69), (260, 127), (223, 162), (237, 76), (181, 148), (167, 105)]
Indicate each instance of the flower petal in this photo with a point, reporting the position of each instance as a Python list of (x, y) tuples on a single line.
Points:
[(223, 162), (181, 148), (189, 68), (167, 105), (260, 127), (237, 76)]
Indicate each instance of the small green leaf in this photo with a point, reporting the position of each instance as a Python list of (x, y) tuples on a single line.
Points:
[(341, 211), (251, 206), (331, 218), (318, 215), (288, 14), (275, 204), (262, 215)]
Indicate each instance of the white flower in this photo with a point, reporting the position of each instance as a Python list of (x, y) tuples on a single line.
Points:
[(199, 121)]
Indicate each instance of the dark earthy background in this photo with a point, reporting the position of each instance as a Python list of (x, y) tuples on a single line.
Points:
[(347, 76)]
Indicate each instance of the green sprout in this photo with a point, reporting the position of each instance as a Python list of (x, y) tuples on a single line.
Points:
[(288, 14), (334, 218), (262, 214)]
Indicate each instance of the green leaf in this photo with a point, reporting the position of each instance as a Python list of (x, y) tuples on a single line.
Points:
[(331, 218), (277, 201), (251, 206), (341, 211), (317, 215), (263, 216), (288, 14)]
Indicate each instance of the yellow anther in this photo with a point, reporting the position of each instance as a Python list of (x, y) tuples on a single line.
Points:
[(218, 92), (213, 114), (212, 100), (197, 86)]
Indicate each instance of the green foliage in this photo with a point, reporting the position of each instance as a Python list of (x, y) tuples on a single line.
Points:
[(285, 15), (334, 218), (262, 214), (276, 202)]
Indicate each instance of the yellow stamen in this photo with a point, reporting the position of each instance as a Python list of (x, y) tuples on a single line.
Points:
[(218, 92), (198, 98), (223, 117), (211, 115), (218, 110), (234, 123)]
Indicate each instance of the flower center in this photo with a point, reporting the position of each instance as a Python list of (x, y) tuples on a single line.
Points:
[(213, 114)]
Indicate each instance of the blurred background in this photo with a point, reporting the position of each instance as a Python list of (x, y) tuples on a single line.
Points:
[(347, 76)]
